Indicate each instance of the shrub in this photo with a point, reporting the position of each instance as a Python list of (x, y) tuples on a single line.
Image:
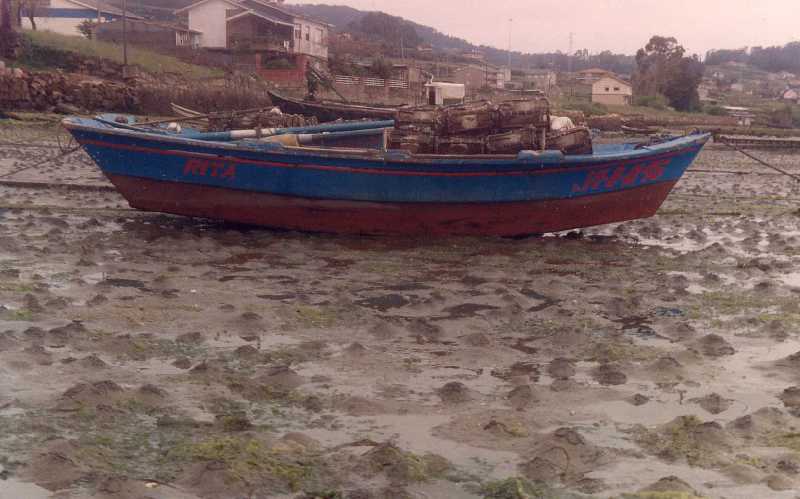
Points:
[(657, 101), (715, 110), (588, 108), (86, 28), (280, 63), (381, 68), (796, 116)]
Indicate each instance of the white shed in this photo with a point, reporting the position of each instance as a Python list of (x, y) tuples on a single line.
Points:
[(443, 94)]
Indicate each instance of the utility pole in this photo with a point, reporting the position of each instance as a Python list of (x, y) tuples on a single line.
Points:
[(510, 26), (125, 36), (569, 54)]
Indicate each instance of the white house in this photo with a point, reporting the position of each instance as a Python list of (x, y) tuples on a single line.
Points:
[(792, 94), (612, 91), (64, 16), (258, 24)]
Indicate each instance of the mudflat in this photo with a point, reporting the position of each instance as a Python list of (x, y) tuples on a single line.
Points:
[(145, 355)]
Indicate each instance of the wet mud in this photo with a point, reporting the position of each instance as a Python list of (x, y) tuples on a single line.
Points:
[(144, 355)]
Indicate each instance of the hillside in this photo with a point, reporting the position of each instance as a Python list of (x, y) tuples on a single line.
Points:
[(345, 19), (154, 9)]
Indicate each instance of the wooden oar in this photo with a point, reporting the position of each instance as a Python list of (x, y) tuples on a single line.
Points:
[(267, 132)]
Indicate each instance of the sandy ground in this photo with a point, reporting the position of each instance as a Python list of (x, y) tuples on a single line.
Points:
[(144, 355)]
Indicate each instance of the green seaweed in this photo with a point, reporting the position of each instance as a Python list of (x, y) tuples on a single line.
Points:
[(248, 460)]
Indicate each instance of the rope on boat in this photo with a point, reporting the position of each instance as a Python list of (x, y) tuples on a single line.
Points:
[(758, 160)]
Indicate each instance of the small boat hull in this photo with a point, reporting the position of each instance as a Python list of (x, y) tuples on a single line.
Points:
[(326, 111), (393, 192), (359, 217)]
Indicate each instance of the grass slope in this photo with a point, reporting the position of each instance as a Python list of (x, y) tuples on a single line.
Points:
[(149, 61)]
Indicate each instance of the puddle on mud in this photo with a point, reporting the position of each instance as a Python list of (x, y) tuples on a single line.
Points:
[(792, 279), (707, 482), (11, 488)]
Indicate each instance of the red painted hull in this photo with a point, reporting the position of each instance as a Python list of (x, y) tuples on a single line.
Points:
[(355, 217)]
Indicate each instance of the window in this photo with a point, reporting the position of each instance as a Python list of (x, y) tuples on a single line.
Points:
[(616, 89), (298, 31), (608, 89), (308, 33)]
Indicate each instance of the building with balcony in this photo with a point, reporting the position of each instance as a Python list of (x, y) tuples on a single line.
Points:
[(256, 25)]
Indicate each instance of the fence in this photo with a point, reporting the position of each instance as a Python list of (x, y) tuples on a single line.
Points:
[(370, 82)]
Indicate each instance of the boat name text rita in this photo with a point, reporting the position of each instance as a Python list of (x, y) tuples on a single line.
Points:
[(626, 176), (210, 168)]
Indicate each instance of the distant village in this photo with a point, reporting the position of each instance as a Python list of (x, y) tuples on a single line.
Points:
[(287, 48)]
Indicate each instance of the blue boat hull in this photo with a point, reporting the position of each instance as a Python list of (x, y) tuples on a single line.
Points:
[(384, 193)]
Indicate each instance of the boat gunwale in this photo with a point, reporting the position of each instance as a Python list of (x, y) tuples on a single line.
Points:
[(343, 106), (398, 156)]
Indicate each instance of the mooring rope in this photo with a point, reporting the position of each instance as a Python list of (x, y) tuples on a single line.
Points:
[(760, 161)]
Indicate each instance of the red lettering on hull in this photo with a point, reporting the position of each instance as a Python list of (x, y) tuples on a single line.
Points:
[(622, 176), (209, 168)]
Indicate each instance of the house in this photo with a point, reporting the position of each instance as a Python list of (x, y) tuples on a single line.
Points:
[(474, 55), (744, 115), (475, 77), (149, 34), (64, 16), (791, 95), (593, 73), (257, 25), (540, 79), (600, 86), (577, 89), (611, 90)]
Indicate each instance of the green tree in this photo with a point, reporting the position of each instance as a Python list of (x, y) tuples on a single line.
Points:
[(662, 68)]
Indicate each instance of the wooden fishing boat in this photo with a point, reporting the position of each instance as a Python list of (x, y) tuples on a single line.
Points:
[(330, 110), (378, 191)]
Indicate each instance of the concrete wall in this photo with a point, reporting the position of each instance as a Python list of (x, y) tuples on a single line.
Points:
[(138, 33), (473, 77), (414, 95), (209, 19), (612, 100), (287, 78)]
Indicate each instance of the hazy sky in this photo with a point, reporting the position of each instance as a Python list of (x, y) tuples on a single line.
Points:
[(616, 25)]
